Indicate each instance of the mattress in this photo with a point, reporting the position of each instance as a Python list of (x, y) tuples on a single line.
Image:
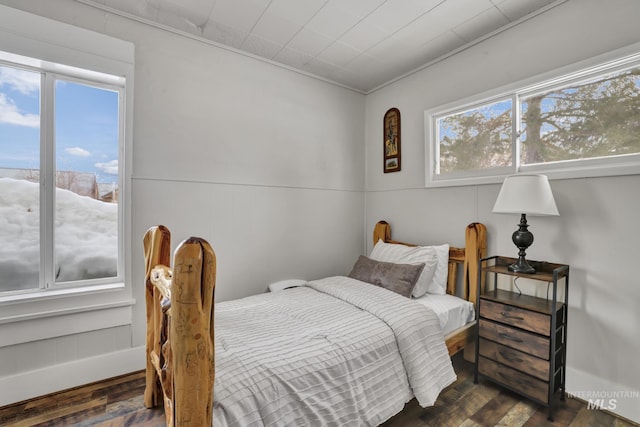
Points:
[(334, 352), (453, 312)]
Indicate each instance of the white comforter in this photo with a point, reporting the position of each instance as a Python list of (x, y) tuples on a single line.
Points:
[(337, 352)]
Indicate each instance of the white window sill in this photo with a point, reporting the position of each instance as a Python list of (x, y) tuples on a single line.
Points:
[(49, 314), (39, 295)]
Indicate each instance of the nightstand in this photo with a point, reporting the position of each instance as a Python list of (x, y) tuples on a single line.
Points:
[(522, 339)]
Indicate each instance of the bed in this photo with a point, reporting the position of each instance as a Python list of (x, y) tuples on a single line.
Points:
[(335, 351)]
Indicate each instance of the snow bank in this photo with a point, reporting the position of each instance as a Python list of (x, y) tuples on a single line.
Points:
[(85, 236)]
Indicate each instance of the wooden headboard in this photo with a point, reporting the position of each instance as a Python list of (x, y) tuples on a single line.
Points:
[(467, 257)]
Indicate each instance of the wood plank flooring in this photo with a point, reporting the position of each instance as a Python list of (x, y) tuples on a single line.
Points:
[(118, 402)]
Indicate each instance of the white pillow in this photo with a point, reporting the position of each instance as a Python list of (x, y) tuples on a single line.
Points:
[(441, 275), (401, 254), (286, 284)]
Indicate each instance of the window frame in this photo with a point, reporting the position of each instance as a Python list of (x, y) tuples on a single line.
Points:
[(47, 194), (118, 87), (26, 317), (616, 61)]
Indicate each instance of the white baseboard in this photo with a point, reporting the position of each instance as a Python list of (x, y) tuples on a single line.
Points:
[(601, 394), (30, 384)]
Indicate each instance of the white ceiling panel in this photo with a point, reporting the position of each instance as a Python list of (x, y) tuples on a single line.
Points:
[(476, 27), (227, 12), (225, 34), (361, 44), (324, 67), (142, 9), (179, 22), (295, 10), (309, 41), (262, 47), (364, 36), (438, 21), (339, 54), (364, 62), (516, 9), (333, 20), (451, 13), (419, 32), (195, 11), (359, 8), (348, 78), (294, 58), (276, 28), (395, 14), (441, 45), (389, 49)]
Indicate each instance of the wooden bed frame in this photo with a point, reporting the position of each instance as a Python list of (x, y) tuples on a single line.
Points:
[(180, 353)]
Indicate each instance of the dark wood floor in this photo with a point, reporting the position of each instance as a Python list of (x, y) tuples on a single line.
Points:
[(118, 402)]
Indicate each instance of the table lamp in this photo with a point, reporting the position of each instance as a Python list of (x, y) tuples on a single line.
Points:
[(525, 195)]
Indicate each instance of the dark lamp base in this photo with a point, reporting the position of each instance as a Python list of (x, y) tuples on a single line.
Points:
[(521, 266), (522, 238)]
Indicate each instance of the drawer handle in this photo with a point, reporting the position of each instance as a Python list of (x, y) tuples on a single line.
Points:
[(508, 316), (509, 337), (510, 357)]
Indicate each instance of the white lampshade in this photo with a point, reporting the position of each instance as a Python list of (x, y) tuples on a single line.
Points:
[(526, 194)]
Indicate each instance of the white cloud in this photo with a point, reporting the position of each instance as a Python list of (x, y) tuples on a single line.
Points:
[(25, 82), (10, 114), (77, 151), (110, 167)]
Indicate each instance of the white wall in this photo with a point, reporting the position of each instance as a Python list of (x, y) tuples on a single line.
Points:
[(265, 163), (595, 233)]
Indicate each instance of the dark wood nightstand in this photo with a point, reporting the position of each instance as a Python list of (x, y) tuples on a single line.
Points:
[(522, 340)]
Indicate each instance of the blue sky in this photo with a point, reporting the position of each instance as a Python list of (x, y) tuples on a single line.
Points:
[(86, 125)]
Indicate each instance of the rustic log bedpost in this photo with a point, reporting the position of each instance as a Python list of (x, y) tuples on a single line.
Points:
[(192, 332), (381, 231), (476, 249), (180, 304), (157, 251)]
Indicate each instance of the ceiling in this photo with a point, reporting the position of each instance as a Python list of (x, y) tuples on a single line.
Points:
[(360, 44)]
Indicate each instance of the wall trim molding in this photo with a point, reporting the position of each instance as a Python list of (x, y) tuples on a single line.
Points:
[(54, 378), (56, 324), (247, 184)]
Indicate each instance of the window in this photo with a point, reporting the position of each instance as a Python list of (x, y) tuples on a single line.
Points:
[(583, 123), (61, 135), (477, 140), (58, 81)]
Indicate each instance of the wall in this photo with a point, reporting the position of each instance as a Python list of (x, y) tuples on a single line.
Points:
[(595, 232), (263, 162)]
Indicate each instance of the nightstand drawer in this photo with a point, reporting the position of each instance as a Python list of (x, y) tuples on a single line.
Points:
[(516, 380), (525, 319), (516, 359), (514, 338)]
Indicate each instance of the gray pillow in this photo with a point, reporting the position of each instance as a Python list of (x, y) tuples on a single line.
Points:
[(399, 278)]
